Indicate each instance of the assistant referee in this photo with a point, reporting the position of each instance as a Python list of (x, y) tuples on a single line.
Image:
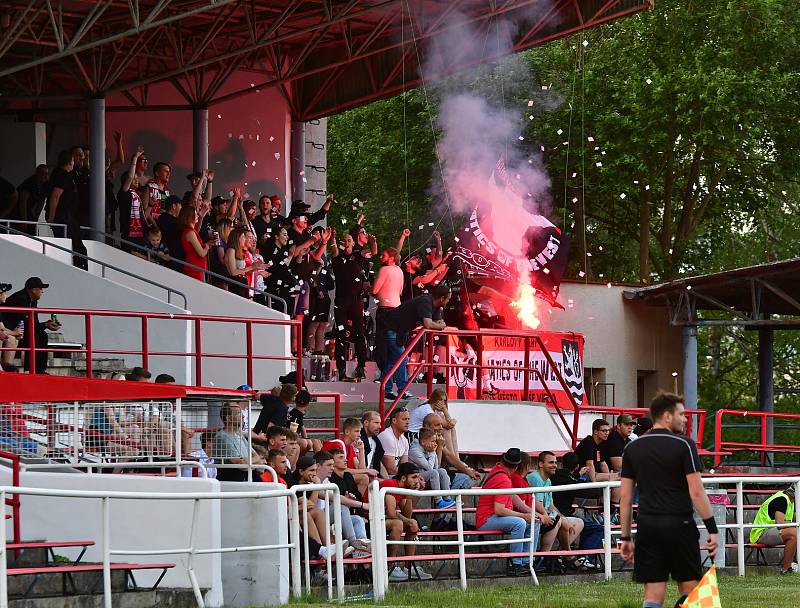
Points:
[(665, 466)]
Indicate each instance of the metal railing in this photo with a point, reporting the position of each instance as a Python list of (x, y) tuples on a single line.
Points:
[(191, 550), (695, 419), (62, 227), (270, 298), (103, 265), (145, 352), (380, 559), (13, 501), (762, 424)]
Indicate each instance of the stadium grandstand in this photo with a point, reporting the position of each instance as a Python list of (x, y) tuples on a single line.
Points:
[(200, 402)]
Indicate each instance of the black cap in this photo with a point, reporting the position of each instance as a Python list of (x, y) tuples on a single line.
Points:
[(35, 282), (248, 203), (290, 378), (570, 461), (303, 397), (406, 468), (304, 462), (300, 206), (4, 287), (195, 175), (218, 200), (513, 457), (296, 213)]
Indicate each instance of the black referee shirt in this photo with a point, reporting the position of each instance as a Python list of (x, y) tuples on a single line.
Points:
[(659, 462)]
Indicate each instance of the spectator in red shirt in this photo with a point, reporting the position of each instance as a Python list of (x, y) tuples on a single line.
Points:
[(497, 512), (400, 520)]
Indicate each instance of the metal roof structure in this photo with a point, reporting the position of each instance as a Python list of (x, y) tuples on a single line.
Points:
[(325, 55), (751, 294)]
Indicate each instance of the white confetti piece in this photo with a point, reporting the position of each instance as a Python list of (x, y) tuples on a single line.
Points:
[(430, 223), (598, 164), (271, 138), (258, 137), (601, 249), (647, 187), (590, 138), (559, 132), (253, 164), (608, 285), (421, 226), (277, 155), (241, 136), (219, 115), (521, 138), (585, 43), (530, 103), (230, 135), (622, 196), (581, 274), (530, 117), (648, 81), (588, 254), (574, 175)]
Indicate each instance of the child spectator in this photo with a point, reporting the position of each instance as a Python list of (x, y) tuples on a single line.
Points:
[(157, 251), (423, 454), (296, 419), (200, 454), (356, 454)]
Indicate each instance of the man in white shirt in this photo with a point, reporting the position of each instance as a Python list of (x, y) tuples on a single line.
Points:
[(394, 442), (387, 289)]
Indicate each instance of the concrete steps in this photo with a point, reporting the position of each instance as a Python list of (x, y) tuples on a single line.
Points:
[(160, 598)]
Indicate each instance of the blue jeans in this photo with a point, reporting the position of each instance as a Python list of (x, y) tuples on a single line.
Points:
[(393, 352), (517, 528)]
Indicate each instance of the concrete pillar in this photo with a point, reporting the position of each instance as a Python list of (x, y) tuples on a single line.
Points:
[(200, 139), (298, 162), (690, 371), (97, 174), (766, 387)]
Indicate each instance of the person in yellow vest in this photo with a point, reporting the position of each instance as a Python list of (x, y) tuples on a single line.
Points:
[(778, 508)]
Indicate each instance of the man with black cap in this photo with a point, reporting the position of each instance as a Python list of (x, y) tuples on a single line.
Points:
[(9, 336), (496, 512), (618, 438), (29, 298), (665, 467)]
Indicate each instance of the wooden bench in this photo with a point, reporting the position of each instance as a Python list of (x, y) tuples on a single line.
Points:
[(68, 571), (20, 548)]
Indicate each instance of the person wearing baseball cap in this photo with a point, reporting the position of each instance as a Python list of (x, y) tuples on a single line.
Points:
[(618, 438), (502, 512), (9, 336), (29, 298)]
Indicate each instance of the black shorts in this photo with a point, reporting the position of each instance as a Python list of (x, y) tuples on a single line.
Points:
[(666, 545)]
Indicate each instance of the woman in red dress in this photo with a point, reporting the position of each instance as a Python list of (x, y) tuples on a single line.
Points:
[(194, 249)]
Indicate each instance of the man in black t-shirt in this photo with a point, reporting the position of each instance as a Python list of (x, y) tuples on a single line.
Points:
[(296, 419), (425, 310), (618, 438), (275, 408), (592, 454), (63, 204), (667, 470)]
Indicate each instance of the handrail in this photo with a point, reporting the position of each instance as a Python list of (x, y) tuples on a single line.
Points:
[(527, 368), (63, 227), (103, 265), (191, 551), (206, 273), (720, 445), (13, 502), (145, 352)]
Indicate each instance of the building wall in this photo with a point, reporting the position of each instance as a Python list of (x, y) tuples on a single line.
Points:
[(18, 161), (622, 337)]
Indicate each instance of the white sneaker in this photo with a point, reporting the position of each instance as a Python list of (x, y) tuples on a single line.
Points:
[(398, 574), (418, 573)]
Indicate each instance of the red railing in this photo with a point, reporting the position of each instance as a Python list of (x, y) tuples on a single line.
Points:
[(337, 415), (427, 362), (691, 415), (13, 502), (720, 445), (145, 352)]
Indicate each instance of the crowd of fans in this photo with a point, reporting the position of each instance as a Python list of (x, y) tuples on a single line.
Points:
[(350, 307)]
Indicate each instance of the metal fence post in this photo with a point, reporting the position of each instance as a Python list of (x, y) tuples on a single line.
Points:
[(294, 538), (3, 559), (462, 561), (377, 534), (198, 595), (739, 528), (106, 554), (178, 439), (337, 537), (607, 530)]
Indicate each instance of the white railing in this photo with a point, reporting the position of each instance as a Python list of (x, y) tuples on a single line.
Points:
[(141, 435), (191, 550), (380, 561)]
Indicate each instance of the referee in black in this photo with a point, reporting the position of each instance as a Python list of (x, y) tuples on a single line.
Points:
[(665, 466)]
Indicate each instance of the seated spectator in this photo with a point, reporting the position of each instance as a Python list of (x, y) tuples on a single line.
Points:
[(437, 402), (275, 409), (292, 447), (29, 297), (138, 374), (165, 379), (296, 418), (14, 433), (425, 310), (394, 442), (109, 431), (353, 505), (779, 508), (373, 450), (496, 512), (566, 529), (400, 522), (277, 437), (318, 528), (592, 452), (618, 438), (230, 445), (463, 476), (200, 454), (356, 454), (9, 336), (423, 454), (277, 460)]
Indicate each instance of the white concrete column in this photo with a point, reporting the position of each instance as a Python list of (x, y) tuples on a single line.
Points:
[(97, 173)]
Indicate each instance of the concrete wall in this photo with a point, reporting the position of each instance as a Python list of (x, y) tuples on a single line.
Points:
[(135, 524), (621, 337), (254, 578), (74, 288)]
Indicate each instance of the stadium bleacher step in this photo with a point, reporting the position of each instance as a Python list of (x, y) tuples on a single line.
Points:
[(54, 584), (160, 598)]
